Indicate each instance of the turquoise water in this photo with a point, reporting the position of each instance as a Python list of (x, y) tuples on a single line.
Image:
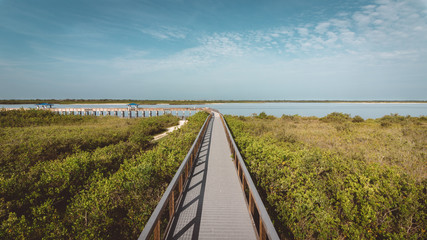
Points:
[(365, 110)]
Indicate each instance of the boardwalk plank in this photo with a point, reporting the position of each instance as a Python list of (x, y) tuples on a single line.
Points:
[(213, 204)]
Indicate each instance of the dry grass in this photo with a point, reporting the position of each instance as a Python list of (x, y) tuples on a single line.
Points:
[(402, 145)]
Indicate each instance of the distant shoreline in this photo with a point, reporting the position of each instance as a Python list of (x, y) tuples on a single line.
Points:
[(194, 102)]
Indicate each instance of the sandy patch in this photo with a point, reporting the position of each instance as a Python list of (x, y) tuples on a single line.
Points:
[(97, 104), (170, 129)]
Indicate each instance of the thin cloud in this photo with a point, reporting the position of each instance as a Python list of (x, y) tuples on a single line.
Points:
[(380, 39), (376, 31), (165, 33), (323, 27)]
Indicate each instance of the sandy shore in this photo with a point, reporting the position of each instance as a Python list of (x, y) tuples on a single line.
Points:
[(95, 104), (393, 103)]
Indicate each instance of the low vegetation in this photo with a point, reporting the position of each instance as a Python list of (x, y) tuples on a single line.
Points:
[(73, 177), (339, 177), (26, 118)]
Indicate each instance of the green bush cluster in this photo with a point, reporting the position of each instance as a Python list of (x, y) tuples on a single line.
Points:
[(68, 195), (143, 131), (336, 117), (318, 193), (119, 207), (389, 120), (34, 117), (263, 115), (24, 147), (358, 119)]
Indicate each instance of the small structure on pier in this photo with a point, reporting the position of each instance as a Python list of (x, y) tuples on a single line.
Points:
[(132, 105), (44, 105)]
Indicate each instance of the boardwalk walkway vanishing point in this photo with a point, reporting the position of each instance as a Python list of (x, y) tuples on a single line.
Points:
[(212, 195), (213, 204)]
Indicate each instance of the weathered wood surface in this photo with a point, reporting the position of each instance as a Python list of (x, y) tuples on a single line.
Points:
[(213, 204)]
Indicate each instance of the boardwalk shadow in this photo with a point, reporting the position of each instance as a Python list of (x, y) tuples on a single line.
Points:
[(186, 221)]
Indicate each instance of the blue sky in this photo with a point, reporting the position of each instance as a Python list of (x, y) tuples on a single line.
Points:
[(291, 49)]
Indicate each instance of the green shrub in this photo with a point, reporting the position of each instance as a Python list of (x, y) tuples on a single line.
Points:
[(318, 193), (343, 127), (37, 191), (336, 117), (30, 145), (358, 119), (33, 117), (119, 206), (24, 147), (394, 118), (290, 117), (391, 119), (263, 115), (385, 124)]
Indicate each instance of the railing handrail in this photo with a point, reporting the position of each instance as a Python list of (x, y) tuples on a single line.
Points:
[(266, 221), (154, 218)]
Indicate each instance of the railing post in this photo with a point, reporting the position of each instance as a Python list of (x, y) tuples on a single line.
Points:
[(251, 204), (157, 231), (262, 234), (243, 181), (180, 184), (238, 171), (171, 205)]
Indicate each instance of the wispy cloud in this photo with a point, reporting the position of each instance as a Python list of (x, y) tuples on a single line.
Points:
[(385, 40), (165, 32), (384, 30), (211, 49), (388, 29)]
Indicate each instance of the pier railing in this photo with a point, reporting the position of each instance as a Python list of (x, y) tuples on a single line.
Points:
[(264, 226), (121, 112), (160, 220)]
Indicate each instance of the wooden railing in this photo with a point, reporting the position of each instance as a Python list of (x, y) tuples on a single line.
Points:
[(129, 112), (264, 226), (160, 220)]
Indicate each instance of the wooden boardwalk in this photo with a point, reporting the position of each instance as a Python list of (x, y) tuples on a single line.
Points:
[(213, 205)]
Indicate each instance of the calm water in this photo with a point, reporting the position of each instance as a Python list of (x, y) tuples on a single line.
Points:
[(365, 110)]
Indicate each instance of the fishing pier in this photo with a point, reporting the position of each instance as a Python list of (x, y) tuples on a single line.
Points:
[(130, 112)]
